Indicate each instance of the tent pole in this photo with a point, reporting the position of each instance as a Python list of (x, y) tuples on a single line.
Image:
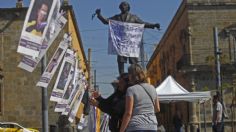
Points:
[(199, 116), (204, 116)]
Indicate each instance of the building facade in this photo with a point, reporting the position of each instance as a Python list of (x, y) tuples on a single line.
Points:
[(20, 99), (187, 52)]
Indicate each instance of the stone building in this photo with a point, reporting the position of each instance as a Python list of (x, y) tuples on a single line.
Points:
[(20, 99), (187, 52)]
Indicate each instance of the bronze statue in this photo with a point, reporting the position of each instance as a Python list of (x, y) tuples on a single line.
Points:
[(125, 16)]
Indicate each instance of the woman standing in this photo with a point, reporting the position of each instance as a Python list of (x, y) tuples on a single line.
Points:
[(141, 103)]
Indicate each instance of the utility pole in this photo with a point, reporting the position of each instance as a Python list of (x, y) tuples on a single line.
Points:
[(44, 99), (89, 68), (142, 53), (217, 62), (95, 83)]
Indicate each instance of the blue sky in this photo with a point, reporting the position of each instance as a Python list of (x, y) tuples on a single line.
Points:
[(94, 33)]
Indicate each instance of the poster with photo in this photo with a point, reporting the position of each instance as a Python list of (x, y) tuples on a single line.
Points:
[(62, 104), (65, 76), (54, 62), (73, 98), (67, 97), (56, 96), (58, 21), (75, 106), (35, 26)]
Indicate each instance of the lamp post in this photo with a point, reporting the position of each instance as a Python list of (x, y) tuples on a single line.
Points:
[(44, 100), (217, 61)]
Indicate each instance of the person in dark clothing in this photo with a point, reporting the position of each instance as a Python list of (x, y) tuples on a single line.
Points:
[(177, 121), (125, 16), (114, 105)]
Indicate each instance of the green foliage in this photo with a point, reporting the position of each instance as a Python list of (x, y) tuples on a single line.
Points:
[(226, 86), (210, 60), (205, 88)]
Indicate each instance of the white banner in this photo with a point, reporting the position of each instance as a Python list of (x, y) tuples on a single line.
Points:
[(54, 62), (125, 38), (35, 26), (29, 63)]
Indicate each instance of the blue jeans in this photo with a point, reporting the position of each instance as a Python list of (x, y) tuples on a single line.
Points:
[(218, 127)]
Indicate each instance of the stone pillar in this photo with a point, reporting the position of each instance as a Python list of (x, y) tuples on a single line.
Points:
[(190, 56), (192, 109)]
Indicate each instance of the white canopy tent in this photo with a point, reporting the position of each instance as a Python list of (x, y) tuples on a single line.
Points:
[(170, 91)]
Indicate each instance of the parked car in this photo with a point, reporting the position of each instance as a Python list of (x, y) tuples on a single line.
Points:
[(14, 127)]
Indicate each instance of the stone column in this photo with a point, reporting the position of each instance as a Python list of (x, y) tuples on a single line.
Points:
[(192, 109)]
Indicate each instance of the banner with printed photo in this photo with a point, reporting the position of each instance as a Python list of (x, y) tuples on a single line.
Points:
[(80, 83), (75, 106), (63, 101), (54, 62), (35, 26), (65, 107), (58, 21), (56, 93), (65, 76), (124, 38), (73, 97)]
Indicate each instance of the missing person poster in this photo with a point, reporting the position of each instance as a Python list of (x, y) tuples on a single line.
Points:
[(35, 26), (73, 98), (75, 106), (54, 62), (63, 104), (56, 96), (58, 21), (124, 38), (65, 76)]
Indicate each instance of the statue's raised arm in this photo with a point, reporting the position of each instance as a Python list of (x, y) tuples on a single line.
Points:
[(125, 16), (100, 17)]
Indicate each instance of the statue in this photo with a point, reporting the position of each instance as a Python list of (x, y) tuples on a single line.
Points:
[(125, 16)]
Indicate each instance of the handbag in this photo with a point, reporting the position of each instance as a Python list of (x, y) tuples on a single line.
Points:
[(150, 98)]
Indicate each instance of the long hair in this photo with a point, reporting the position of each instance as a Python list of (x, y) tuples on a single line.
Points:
[(137, 74)]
